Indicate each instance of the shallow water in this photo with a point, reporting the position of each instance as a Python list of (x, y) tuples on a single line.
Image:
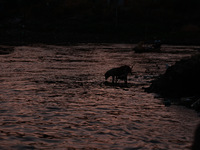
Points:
[(54, 97)]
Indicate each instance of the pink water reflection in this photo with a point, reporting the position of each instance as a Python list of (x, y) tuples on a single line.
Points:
[(54, 97)]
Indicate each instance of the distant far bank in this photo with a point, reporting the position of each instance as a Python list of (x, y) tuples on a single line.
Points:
[(16, 36), (75, 21)]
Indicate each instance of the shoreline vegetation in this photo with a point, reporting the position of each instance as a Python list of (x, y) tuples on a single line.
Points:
[(99, 21)]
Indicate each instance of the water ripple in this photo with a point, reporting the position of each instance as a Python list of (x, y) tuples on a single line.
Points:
[(54, 97)]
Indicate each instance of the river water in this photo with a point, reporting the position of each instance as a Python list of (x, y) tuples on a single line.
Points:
[(54, 97)]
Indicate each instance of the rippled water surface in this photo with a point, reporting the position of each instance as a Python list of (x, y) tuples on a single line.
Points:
[(54, 97)]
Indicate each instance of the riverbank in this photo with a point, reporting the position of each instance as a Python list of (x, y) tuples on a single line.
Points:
[(68, 32), (68, 21), (26, 37)]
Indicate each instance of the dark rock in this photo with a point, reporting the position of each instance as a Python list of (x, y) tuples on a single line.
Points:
[(179, 80), (167, 102), (196, 144), (4, 50), (180, 83)]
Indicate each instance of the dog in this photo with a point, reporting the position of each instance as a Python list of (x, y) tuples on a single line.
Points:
[(119, 73)]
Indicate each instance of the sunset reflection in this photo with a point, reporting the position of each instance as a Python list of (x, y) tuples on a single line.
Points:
[(56, 97)]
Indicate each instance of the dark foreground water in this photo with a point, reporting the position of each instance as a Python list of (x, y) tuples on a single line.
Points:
[(54, 97)]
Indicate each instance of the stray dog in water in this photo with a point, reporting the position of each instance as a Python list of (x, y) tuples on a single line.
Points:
[(118, 73)]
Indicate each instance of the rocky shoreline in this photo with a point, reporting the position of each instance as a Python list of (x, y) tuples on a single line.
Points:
[(180, 83)]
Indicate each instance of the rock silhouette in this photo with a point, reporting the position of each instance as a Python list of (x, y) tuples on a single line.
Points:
[(180, 80)]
